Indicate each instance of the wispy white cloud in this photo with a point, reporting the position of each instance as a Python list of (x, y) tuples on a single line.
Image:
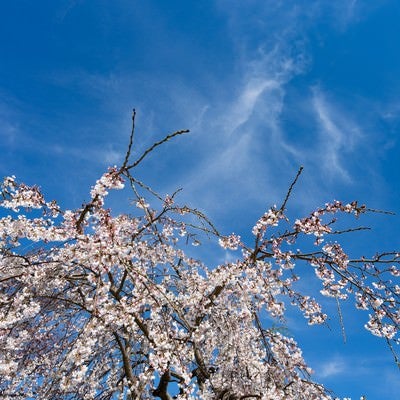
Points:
[(237, 138), (332, 367), (242, 149), (102, 156), (10, 131), (64, 8), (249, 123), (241, 110), (250, 143), (338, 135), (260, 85), (360, 373), (345, 13), (236, 127)]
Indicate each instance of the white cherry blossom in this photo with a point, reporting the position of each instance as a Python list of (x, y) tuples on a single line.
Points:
[(105, 306)]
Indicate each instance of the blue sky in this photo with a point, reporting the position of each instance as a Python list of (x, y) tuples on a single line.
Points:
[(264, 87)]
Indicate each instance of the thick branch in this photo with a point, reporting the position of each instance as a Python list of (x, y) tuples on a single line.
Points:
[(162, 389)]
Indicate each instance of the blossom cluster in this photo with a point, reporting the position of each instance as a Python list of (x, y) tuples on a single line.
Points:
[(110, 180), (270, 218), (230, 242), (313, 224), (16, 196), (96, 305)]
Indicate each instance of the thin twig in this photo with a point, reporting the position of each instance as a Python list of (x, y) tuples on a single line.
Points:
[(341, 319), (128, 152), (396, 358), (144, 186), (379, 211), (201, 217), (150, 149), (360, 228), (290, 189)]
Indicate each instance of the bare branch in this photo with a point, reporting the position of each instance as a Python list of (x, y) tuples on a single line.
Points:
[(128, 152), (289, 192), (151, 148)]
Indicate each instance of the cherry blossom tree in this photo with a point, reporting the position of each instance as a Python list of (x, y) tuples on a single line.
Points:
[(101, 306)]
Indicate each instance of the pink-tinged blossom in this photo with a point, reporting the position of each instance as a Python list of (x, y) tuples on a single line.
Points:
[(141, 203), (395, 271), (110, 180), (168, 201), (270, 218), (230, 242), (21, 196), (108, 305)]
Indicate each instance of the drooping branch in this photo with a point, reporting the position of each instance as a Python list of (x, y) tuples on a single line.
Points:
[(147, 319)]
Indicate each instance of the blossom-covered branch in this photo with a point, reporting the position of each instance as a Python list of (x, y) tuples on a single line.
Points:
[(101, 306)]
